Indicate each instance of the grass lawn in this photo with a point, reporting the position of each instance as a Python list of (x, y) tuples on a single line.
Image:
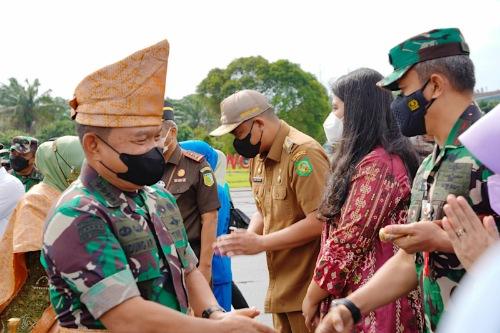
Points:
[(237, 178)]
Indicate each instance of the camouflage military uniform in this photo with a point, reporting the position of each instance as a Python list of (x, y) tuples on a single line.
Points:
[(30, 180), (450, 170), (101, 247), (23, 145)]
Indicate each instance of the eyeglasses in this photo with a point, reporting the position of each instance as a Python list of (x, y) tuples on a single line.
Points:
[(73, 175)]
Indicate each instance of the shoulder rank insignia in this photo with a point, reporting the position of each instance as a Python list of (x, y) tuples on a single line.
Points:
[(303, 167), (298, 155), (192, 155), (288, 145)]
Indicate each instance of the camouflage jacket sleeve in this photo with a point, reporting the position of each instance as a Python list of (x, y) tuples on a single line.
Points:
[(84, 260)]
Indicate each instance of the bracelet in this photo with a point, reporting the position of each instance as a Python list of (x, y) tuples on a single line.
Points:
[(353, 309), (209, 311)]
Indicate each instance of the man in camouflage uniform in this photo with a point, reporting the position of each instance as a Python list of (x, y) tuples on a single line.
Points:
[(436, 78), (115, 248), (22, 161)]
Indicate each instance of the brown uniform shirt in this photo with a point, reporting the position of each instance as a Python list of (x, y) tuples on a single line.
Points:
[(191, 180), (287, 185)]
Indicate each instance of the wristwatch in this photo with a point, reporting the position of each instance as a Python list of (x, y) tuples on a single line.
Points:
[(353, 309), (208, 311)]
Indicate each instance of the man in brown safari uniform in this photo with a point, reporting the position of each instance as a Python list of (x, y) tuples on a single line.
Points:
[(288, 175)]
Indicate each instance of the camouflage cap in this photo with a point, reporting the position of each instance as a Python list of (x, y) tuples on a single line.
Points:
[(239, 107), (24, 144), (434, 44)]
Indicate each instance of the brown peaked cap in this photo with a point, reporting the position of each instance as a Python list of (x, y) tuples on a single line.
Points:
[(128, 93)]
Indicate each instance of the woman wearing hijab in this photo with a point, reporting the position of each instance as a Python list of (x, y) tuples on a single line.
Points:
[(221, 265), (24, 280)]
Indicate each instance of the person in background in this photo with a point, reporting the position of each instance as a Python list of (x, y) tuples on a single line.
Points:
[(221, 265), (24, 280), (22, 161), (424, 145), (333, 127), (435, 76), (191, 180), (11, 190), (4, 158), (368, 189)]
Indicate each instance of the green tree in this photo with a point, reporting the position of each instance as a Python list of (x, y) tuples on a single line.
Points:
[(193, 111), (486, 106), (7, 135), (26, 109), (297, 96), (56, 129)]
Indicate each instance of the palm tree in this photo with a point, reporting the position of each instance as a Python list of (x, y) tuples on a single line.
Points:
[(25, 108)]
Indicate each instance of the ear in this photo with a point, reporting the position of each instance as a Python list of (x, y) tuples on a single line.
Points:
[(91, 146), (173, 130), (440, 83), (259, 122)]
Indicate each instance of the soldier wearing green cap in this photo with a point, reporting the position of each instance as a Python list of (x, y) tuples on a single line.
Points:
[(435, 77), (22, 161)]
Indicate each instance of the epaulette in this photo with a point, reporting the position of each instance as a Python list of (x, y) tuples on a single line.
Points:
[(288, 145), (192, 155)]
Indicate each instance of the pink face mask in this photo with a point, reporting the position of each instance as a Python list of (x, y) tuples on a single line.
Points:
[(494, 192)]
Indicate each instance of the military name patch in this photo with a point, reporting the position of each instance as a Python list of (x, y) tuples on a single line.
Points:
[(90, 229), (303, 167)]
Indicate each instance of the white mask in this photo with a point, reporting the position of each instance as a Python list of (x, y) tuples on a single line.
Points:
[(333, 127)]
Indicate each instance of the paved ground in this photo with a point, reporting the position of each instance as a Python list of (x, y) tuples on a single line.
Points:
[(250, 272)]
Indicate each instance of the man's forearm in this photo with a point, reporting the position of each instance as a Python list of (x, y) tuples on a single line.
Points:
[(199, 292), (298, 234), (152, 317), (208, 237), (396, 278), (256, 224)]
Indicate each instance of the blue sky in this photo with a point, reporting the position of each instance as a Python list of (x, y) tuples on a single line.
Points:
[(60, 42)]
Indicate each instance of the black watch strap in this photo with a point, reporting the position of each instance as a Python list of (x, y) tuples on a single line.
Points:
[(353, 309), (208, 312)]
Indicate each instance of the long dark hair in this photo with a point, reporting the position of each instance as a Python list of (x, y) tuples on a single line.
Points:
[(368, 123)]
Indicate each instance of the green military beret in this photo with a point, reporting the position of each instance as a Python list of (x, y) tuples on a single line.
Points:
[(434, 44)]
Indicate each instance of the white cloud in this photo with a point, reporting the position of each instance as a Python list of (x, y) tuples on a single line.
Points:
[(60, 42)]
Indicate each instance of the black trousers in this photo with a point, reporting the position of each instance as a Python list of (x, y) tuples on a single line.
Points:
[(238, 300)]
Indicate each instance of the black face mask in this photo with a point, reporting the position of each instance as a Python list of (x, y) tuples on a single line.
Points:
[(18, 163), (410, 112), (245, 148), (143, 169)]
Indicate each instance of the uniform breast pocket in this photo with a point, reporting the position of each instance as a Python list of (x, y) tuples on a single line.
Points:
[(452, 178), (139, 245), (279, 192), (177, 188)]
